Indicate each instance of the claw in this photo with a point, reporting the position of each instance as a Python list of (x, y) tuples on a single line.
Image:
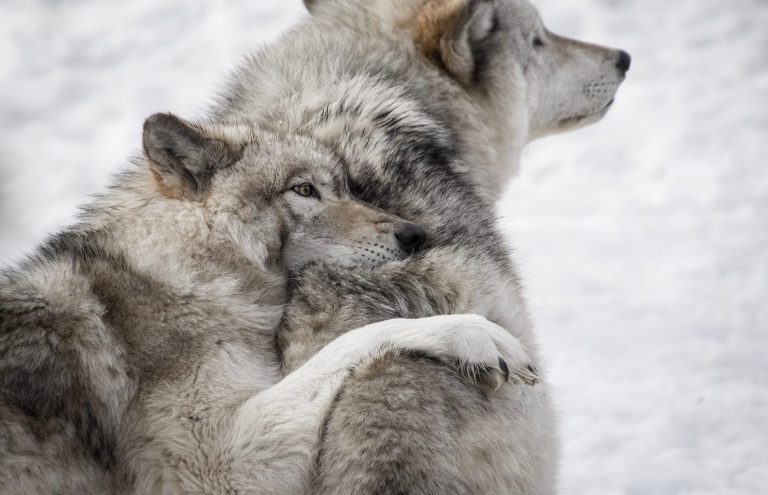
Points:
[(498, 381), (490, 378), (504, 368), (528, 376)]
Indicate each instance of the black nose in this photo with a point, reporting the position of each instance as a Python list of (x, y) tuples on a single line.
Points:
[(411, 237), (624, 61)]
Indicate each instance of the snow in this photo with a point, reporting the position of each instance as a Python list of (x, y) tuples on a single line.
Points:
[(643, 240)]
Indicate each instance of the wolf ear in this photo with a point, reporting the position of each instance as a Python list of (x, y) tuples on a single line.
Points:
[(183, 158), (452, 33)]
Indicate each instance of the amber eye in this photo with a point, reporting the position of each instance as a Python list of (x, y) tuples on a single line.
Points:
[(307, 190)]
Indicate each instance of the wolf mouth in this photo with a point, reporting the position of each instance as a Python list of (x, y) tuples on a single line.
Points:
[(578, 118), (601, 110), (370, 255)]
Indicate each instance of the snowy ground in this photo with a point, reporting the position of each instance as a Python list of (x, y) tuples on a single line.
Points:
[(643, 240)]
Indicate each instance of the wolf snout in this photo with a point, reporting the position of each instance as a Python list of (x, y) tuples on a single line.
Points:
[(625, 60), (410, 237)]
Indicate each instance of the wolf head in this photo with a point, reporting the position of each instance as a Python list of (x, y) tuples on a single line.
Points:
[(567, 83), (281, 199), (524, 80)]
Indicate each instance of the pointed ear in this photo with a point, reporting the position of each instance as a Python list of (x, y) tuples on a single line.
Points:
[(452, 33), (183, 158)]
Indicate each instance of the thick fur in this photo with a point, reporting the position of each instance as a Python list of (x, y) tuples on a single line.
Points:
[(430, 103), (137, 349)]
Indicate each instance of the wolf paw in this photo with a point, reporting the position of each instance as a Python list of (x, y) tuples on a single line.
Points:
[(480, 350)]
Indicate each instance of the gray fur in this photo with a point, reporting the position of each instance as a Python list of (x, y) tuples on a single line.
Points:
[(137, 349)]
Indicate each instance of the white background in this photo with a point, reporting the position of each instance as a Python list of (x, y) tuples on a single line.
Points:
[(643, 240)]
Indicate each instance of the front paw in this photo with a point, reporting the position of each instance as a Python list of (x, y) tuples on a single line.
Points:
[(479, 349)]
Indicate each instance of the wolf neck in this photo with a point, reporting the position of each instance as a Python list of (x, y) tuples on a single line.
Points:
[(172, 242)]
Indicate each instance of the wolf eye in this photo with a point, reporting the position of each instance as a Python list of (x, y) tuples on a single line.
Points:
[(306, 189), (538, 42)]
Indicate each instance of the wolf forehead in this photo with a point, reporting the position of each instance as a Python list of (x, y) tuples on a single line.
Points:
[(241, 159), (275, 160)]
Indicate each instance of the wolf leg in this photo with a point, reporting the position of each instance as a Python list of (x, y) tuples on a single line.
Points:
[(274, 435), (412, 426), (387, 433)]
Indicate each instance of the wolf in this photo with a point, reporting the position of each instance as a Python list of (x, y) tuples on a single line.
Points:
[(137, 348), (429, 103)]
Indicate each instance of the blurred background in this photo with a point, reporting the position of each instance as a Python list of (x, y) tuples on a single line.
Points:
[(643, 240)]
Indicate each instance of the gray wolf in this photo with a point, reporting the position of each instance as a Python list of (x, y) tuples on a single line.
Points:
[(137, 348), (430, 104)]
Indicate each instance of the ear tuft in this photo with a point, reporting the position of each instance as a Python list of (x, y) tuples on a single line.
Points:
[(183, 157), (450, 31)]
